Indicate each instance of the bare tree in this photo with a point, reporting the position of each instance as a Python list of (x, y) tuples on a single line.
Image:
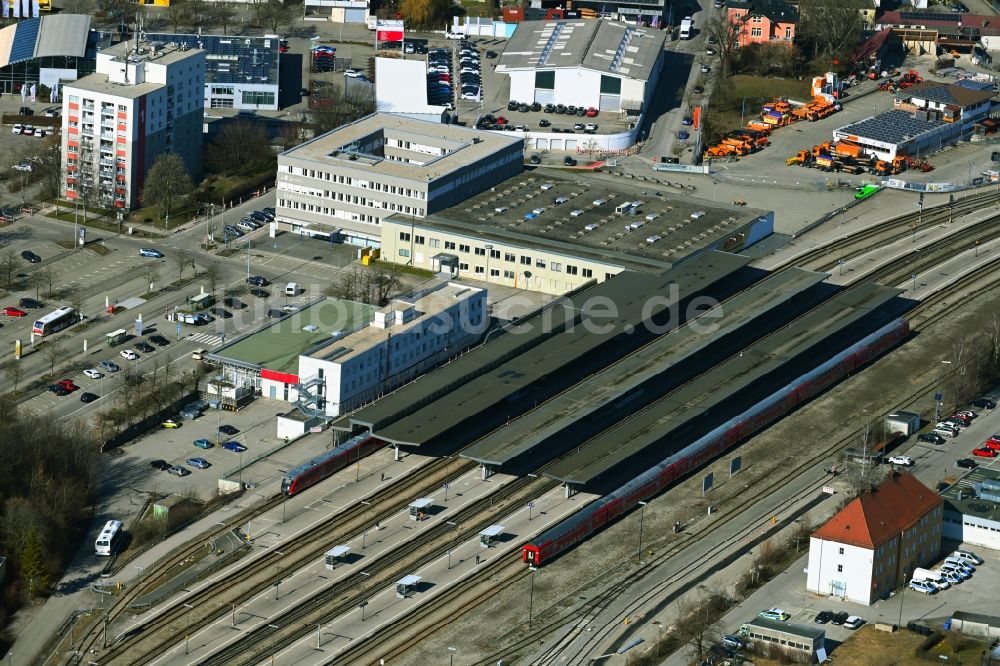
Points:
[(11, 369), (276, 14), (42, 277), (176, 14), (150, 275), (10, 264), (212, 276), (726, 34), (53, 355), (182, 259), (75, 297), (223, 14), (698, 622)]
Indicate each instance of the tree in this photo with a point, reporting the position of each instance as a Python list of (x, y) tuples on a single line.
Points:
[(10, 264), (726, 34), (79, 6), (829, 28), (168, 185), (42, 278), (176, 15), (275, 14), (11, 369), (198, 14), (182, 259), (698, 622), (34, 564), (223, 14), (150, 275), (426, 12), (241, 147), (75, 297), (53, 355), (356, 102), (258, 9), (212, 276)]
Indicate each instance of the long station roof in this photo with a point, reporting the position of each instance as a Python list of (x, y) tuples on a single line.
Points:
[(515, 367), (720, 391), (631, 374), (56, 35)]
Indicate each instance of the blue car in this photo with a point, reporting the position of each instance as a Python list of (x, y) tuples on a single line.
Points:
[(683, 136), (236, 447), (687, 120), (203, 444), (149, 252), (200, 463)]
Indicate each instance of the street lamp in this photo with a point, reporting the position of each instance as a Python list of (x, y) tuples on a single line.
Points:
[(901, 593), (489, 251), (451, 546), (531, 595), (642, 509), (187, 631), (275, 628), (363, 602), (451, 657), (364, 525)]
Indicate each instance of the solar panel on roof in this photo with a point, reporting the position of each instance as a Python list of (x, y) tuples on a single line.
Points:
[(931, 16), (25, 37)]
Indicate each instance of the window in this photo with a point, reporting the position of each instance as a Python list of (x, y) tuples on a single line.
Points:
[(570, 270), (222, 90), (419, 240), (434, 242), (545, 80), (480, 252), (756, 32), (840, 551), (463, 266), (449, 245), (525, 261), (788, 32), (494, 254), (480, 269), (539, 263), (404, 252), (507, 256), (403, 236), (756, 19), (611, 85), (588, 273), (253, 97), (508, 275), (840, 568), (494, 272), (464, 248), (555, 266)]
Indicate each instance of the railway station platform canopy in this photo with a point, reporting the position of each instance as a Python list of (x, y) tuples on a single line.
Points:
[(664, 363), (682, 416), (490, 383)]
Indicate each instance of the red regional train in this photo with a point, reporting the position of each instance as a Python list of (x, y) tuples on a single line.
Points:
[(585, 522), (315, 470)]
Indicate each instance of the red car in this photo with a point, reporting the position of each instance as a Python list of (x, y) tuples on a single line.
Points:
[(991, 444), (14, 312), (961, 417), (985, 453), (591, 112), (67, 384)]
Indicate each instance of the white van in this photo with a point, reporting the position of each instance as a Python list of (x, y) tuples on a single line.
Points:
[(931, 577), (959, 563), (292, 289), (945, 430), (198, 354), (967, 556)]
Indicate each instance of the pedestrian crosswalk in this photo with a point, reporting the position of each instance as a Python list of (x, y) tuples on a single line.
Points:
[(212, 339)]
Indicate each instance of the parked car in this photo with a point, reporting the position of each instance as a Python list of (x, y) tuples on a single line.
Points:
[(569, 161), (839, 618), (203, 444), (228, 429), (128, 354), (150, 252), (30, 257), (983, 403), (178, 470), (854, 622), (162, 465), (823, 617), (235, 447), (110, 366), (88, 397), (905, 461), (199, 463), (93, 373), (931, 438), (58, 389), (145, 347), (170, 424), (686, 120), (966, 463), (984, 452), (734, 642), (14, 312), (258, 281), (159, 340), (775, 614), (967, 556), (29, 303), (234, 303), (259, 293)]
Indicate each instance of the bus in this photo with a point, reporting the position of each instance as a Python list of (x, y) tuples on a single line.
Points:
[(55, 321), (109, 538)]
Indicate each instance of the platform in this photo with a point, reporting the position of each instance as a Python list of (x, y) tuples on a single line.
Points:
[(650, 372), (712, 398)]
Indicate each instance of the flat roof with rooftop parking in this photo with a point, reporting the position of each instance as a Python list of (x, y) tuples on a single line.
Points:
[(554, 361), (730, 387), (651, 363), (595, 219)]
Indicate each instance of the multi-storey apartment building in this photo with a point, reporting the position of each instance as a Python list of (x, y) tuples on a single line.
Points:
[(143, 101), (345, 182)]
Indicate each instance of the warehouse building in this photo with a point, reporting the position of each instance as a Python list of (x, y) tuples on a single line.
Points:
[(873, 544), (552, 234), (972, 509), (590, 63), (927, 117), (344, 183), (240, 72)]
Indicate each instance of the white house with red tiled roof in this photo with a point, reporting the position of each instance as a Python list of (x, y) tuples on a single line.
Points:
[(873, 544)]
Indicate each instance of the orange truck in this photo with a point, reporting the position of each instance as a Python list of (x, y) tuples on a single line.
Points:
[(846, 149)]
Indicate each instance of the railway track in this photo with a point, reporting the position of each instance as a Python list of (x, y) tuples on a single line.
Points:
[(151, 636), (852, 245)]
